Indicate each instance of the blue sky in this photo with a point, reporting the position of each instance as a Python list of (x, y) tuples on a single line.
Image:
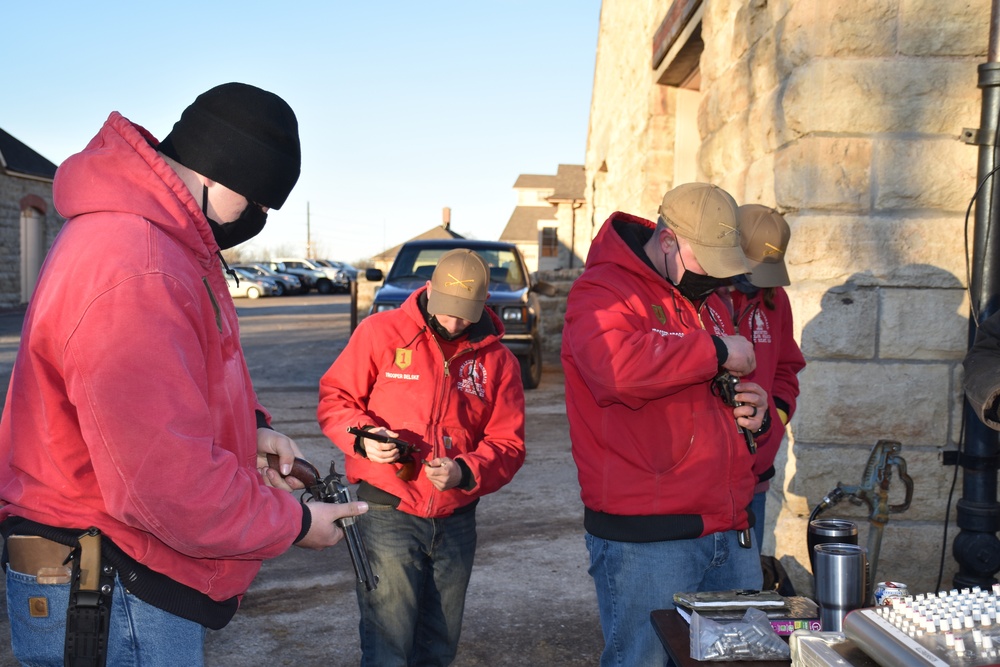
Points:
[(404, 107)]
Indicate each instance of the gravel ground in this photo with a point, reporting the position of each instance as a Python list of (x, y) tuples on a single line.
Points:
[(530, 601)]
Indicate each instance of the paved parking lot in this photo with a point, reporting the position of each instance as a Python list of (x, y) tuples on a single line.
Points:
[(530, 601)]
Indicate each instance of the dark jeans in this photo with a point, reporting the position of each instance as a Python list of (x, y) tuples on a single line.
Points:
[(414, 616)]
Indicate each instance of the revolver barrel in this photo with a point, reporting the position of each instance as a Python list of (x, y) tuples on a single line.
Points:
[(352, 534), (333, 490)]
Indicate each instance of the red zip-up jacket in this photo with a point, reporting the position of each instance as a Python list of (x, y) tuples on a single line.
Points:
[(130, 407), (779, 361), (659, 456), (469, 407)]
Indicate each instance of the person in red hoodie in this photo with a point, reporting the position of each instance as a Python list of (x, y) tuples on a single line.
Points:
[(763, 315), (435, 374), (664, 468), (132, 440)]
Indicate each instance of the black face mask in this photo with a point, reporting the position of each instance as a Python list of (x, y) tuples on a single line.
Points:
[(441, 331), (743, 284), (229, 234), (694, 286)]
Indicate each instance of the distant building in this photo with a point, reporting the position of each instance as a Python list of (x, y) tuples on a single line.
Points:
[(28, 220), (384, 259), (546, 223)]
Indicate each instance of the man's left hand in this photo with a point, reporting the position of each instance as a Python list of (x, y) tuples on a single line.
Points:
[(750, 415), (443, 473), (270, 441)]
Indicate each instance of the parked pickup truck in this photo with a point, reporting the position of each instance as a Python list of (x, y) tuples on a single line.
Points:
[(513, 295)]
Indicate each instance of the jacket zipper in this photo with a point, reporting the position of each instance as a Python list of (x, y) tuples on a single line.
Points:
[(436, 447)]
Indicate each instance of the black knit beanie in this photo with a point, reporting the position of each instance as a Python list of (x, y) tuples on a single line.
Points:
[(242, 137)]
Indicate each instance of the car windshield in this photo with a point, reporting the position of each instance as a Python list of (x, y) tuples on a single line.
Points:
[(414, 266)]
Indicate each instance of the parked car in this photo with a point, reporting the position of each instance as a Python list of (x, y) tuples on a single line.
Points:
[(351, 271), (513, 295), (249, 286), (307, 277), (328, 279), (286, 282)]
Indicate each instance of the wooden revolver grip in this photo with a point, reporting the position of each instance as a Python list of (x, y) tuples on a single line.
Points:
[(302, 470)]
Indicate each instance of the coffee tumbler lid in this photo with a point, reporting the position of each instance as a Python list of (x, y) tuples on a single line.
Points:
[(833, 527), (839, 549)]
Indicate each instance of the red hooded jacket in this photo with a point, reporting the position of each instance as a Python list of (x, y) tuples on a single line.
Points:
[(130, 407), (659, 456), (779, 361), (469, 407)]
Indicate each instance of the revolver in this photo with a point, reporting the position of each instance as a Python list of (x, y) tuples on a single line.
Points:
[(331, 489), (724, 386)]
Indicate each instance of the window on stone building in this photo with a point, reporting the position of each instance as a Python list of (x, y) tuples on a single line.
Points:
[(677, 48), (549, 244), (32, 249)]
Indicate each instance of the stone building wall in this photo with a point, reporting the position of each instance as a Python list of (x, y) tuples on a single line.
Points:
[(12, 191), (845, 116)]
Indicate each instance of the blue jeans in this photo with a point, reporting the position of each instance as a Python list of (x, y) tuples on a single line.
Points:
[(414, 615), (757, 506), (139, 634), (635, 578)]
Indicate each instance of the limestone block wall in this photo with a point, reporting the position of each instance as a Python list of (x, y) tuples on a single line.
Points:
[(846, 117), (554, 309), (12, 191), (629, 157)]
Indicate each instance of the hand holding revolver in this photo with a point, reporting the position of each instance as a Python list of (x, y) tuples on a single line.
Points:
[(272, 443), (752, 406), (331, 524), (740, 359), (749, 403)]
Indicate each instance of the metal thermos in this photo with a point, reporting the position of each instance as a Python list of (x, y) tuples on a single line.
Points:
[(840, 582), (823, 531)]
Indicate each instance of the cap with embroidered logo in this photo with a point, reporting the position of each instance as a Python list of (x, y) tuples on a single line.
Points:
[(764, 236), (459, 285), (705, 216)]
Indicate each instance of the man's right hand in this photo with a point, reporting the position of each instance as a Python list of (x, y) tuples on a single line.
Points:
[(323, 532), (741, 360), (381, 452)]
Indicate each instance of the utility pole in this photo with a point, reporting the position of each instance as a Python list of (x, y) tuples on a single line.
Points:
[(309, 243), (976, 547)]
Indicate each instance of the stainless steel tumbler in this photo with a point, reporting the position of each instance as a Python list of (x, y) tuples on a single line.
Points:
[(840, 582), (822, 531)]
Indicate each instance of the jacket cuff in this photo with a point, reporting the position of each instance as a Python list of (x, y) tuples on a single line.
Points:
[(721, 351), (262, 420), (359, 447), (306, 523), (765, 424), (468, 482)]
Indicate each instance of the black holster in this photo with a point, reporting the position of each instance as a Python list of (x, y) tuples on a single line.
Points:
[(88, 616)]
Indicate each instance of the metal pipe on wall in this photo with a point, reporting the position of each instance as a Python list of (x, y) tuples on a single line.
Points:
[(976, 548)]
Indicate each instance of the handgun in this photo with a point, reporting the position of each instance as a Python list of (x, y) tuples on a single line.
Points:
[(406, 450), (724, 386), (331, 489)]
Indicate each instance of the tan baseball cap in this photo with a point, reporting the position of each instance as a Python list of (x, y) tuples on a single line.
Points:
[(459, 285), (764, 235), (705, 216)]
